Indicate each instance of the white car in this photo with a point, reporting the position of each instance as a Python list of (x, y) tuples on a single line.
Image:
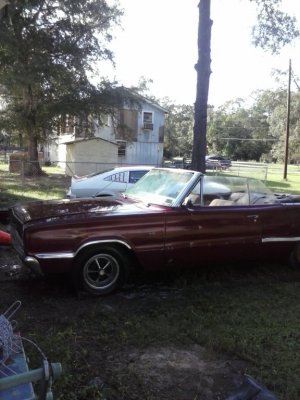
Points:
[(107, 183)]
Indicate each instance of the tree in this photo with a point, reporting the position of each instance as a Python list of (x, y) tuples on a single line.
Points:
[(47, 49), (203, 76), (274, 29), (178, 130), (275, 102), (238, 132)]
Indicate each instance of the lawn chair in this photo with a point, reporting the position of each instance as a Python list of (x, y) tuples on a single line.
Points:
[(251, 390), (16, 380)]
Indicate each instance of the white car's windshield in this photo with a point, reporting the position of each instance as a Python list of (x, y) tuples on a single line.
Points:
[(160, 186)]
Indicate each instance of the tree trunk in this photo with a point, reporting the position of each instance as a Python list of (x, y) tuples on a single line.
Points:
[(203, 74), (32, 166)]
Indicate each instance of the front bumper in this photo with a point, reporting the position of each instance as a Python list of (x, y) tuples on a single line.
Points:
[(33, 264)]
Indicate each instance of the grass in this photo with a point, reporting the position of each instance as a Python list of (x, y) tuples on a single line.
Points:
[(14, 188), (272, 175), (252, 314)]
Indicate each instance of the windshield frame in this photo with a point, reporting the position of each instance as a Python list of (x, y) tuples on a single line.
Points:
[(175, 176)]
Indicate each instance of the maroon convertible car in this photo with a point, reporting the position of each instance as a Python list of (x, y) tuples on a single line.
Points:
[(169, 218)]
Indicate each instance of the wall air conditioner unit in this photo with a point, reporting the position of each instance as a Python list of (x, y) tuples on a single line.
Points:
[(148, 127)]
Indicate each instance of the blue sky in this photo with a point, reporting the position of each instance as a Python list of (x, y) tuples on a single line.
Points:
[(158, 40)]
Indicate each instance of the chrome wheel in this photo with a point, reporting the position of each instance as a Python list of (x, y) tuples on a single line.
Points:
[(101, 271)]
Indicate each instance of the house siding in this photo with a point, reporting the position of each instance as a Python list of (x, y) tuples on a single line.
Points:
[(143, 146), (149, 153)]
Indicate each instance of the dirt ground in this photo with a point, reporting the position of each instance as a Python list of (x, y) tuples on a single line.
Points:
[(157, 372)]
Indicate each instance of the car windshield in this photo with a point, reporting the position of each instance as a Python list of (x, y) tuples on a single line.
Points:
[(160, 186)]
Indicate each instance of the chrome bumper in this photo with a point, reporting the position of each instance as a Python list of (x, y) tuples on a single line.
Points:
[(33, 264)]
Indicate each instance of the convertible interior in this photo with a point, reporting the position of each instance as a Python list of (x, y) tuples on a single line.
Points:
[(229, 191)]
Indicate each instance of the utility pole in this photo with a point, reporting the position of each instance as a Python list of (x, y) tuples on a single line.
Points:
[(287, 134)]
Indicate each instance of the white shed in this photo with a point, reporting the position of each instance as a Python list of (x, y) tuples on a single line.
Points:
[(85, 156)]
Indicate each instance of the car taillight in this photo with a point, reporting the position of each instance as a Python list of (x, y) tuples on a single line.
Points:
[(5, 238)]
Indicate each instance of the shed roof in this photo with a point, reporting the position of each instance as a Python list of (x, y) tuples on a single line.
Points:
[(80, 140)]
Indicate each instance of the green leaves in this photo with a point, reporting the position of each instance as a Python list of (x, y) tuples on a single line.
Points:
[(46, 49), (274, 28)]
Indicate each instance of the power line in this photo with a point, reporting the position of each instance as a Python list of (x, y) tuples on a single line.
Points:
[(259, 140)]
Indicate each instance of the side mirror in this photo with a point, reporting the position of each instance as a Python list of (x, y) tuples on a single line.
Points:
[(187, 202)]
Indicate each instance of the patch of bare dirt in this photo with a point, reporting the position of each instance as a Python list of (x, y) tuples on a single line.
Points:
[(187, 372)]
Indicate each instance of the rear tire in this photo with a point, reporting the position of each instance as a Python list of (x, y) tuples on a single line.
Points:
[(101, 271)]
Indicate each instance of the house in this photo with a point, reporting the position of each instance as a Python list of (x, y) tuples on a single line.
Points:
[(139, 132), (131, 135)]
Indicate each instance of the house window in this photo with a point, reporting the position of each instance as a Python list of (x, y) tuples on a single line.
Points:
[(148, 120), (121, 147)]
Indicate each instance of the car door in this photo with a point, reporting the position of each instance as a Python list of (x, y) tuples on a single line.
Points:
[(216, 229), (202, 234), (276, 222)]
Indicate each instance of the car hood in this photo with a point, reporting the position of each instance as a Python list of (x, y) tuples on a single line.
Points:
[(66, 208)]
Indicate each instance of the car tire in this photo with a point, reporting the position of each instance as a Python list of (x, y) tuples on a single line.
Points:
[(101, 271), (294, 260)]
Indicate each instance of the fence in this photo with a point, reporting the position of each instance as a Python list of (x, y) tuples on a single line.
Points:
[(57, 178), (69, 168), (260, 171)]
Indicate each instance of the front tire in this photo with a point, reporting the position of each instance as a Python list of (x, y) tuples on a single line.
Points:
[(101, 271), (295, 257)]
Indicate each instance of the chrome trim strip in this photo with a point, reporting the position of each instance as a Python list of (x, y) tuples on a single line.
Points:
[(281, 239), (53, 256), (105, 241), (72, 255)]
